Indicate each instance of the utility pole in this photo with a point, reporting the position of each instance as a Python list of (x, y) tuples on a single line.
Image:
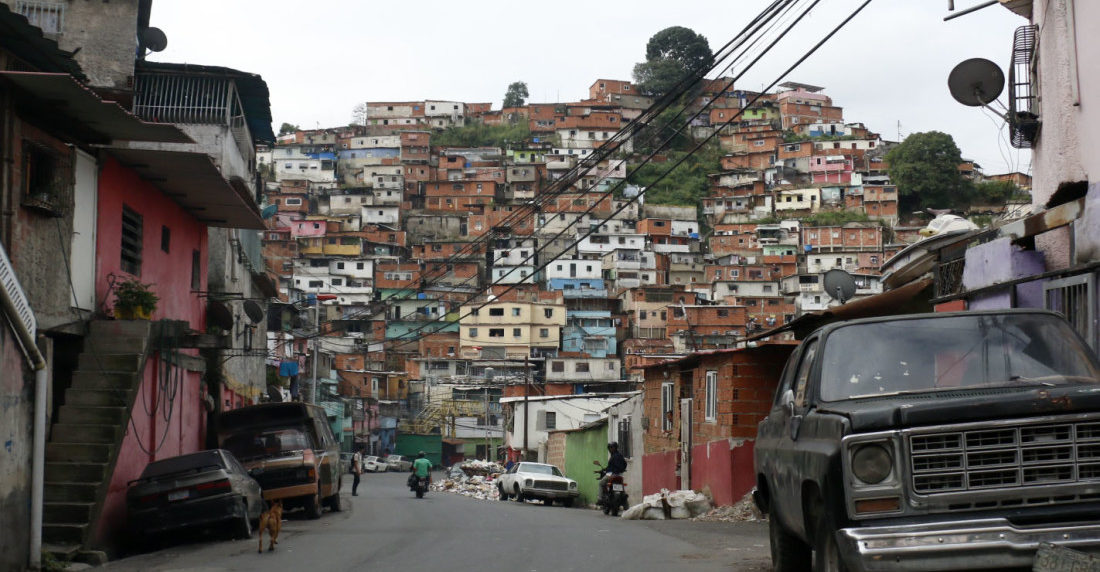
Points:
[(316, 349), (526, 408), (488, 456)]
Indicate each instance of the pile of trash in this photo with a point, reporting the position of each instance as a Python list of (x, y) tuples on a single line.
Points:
[(667, 505), (743, 511), (478, 467), (473, 479)]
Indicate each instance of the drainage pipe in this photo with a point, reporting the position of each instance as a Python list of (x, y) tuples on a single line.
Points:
[(11, 307)]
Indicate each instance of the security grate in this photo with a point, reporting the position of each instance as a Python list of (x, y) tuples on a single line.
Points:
[(48, 16), (1075, 298), (1023, 111)]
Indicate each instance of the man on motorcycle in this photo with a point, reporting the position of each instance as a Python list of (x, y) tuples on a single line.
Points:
[(422, 467), (616, 465)]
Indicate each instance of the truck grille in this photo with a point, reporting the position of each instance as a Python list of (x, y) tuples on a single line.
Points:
[(551, 485), (1004, 457)]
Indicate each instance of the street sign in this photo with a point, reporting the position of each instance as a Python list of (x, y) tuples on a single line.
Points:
[(1051, 558)]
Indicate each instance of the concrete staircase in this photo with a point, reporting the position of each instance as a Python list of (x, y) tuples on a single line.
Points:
[(86, 436)]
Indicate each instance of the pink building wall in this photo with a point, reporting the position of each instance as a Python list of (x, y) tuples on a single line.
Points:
[(307, 228), (169, 417)]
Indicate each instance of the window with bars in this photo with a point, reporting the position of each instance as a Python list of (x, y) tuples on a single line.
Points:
[(1075, 298), (48, 16), (131, 244)]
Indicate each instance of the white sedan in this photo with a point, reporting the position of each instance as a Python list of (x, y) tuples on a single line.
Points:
[(373, 464), (537, 481), (399, 463)]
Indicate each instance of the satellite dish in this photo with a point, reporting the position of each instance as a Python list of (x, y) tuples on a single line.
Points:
[(976, 82), (153, 39), (839, 285), (254, 311), (218, 314)]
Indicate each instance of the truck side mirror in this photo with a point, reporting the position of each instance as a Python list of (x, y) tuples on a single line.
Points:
[(788, 402)]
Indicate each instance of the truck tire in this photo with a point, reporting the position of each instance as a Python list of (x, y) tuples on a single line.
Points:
[(313, 505), (789, 554), (826, 552), (503, 495)]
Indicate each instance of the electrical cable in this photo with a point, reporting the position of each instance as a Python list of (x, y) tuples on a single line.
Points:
[(668, 98), (680, 161)]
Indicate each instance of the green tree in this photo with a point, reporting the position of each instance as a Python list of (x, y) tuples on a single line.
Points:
[(996, 192), (287, 128), (477, 134), (925, 168), (670, 55), (516, 95)]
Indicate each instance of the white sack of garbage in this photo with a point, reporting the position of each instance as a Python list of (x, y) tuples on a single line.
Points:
[(669, 505)]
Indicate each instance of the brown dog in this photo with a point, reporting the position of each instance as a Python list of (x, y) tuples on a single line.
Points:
[(271, 520)]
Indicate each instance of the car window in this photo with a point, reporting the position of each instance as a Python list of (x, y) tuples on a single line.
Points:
[(802, 378), (513, 470), (786, 380)]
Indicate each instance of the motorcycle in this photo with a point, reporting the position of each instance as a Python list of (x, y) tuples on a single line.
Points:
[(613, 498), (418, 485)]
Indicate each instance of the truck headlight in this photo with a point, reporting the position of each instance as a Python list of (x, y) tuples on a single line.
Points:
[(872, 463), (572, 485)]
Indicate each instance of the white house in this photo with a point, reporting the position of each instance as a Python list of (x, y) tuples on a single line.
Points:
[(532, 419)]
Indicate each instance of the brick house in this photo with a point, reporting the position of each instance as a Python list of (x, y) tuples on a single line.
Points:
[(700, 418)]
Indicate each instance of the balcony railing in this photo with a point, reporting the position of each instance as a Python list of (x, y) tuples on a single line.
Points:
[(197, 99)]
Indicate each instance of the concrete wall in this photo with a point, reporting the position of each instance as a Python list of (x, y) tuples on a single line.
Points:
[(106, 33), (1070, 136), (16, 411)]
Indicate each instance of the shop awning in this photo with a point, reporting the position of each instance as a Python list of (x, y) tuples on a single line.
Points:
[(194, 182), (78, 110)]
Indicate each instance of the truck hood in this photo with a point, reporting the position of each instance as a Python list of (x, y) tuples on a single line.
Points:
[(933, 408)]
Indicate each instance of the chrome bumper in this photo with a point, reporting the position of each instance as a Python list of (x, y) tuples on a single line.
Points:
[(956, 545)]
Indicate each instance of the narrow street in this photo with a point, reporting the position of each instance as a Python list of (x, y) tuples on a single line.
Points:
[(388, 529)]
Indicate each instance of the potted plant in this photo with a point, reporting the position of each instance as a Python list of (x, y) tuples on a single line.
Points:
[(134, 300)]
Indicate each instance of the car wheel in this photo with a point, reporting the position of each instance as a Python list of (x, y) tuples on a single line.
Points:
[(826, 554), (335, 502), (503, 495), (518, 495), (607, 507), (242, 527), (547, 502), (313, 505), (789, 554), (567, 502)]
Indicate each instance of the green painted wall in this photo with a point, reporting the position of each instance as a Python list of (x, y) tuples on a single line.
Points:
[(581, 448), (409, 445)]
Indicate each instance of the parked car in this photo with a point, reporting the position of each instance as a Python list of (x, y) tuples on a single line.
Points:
[(372, 464), (399, 463), (538, 481), (953, 441), (290, 449), (194, 491)]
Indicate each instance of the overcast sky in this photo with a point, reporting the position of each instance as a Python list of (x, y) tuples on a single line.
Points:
[(888, 66)]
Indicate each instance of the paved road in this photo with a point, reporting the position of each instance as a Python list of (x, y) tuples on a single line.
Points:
[(388, 529)]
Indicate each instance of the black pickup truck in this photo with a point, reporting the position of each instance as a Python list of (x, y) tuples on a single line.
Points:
[(955, 441)]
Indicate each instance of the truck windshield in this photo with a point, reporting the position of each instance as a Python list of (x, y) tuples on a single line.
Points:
[(266, 442), (951, 353)]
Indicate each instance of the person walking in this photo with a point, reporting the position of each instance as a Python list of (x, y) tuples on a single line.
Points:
[(356, 469)]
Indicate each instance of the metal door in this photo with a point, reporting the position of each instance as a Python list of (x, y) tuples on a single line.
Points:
[(83, 247), (685, 443)]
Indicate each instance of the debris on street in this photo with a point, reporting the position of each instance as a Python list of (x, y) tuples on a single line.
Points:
[(667, 505), (473, 479), (743, 510)]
